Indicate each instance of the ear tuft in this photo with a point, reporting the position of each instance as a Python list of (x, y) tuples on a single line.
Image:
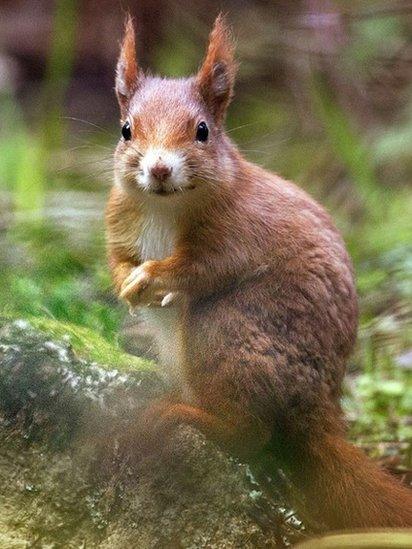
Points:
[(127, 72), (216, 76)]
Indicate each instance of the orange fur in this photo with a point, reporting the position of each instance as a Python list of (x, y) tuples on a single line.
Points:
[(217, 74), (122, 221), (268, 314), (127, 71)]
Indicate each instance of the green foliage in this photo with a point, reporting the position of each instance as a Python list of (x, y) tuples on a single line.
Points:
[(24, 154), (345, 141), (393, 145), (380, 400), (21, 166), (372, 37), (49, 276), (58, 72)]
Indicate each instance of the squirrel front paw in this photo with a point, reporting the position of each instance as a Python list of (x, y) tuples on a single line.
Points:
[(142, 288)]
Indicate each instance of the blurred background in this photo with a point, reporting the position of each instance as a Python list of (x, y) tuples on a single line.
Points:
[(324, 97)]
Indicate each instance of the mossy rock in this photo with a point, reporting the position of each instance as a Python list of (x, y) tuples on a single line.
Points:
[(52, 389), (90, 345), (73, 472)]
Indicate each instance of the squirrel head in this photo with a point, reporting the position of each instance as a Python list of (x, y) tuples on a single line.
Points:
[(172, 139)]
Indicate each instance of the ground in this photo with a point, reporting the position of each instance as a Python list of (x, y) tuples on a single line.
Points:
[(69, 479)]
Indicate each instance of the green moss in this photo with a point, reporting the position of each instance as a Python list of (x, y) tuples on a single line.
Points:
[(90, 345)]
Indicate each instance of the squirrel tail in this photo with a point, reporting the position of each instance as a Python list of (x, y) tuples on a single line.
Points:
[(346, 488)]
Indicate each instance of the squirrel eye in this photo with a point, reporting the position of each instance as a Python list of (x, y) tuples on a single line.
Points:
[(202, 132), (126, 131)]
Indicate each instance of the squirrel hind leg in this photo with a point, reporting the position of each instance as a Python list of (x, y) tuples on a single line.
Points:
[(242, 438)]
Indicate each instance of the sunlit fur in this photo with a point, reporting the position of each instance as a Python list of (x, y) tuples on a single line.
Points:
[(258, 343)]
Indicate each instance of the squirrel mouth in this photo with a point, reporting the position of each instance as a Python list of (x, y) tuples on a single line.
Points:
[(163, 192), (167, 192)]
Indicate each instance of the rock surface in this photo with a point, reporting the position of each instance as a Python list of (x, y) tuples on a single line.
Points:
[(68, 480)]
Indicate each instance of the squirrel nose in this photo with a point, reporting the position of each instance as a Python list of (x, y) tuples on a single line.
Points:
[(160, 171)]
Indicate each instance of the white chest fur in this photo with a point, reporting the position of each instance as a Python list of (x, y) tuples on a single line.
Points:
[(157, 237), (156, 241)]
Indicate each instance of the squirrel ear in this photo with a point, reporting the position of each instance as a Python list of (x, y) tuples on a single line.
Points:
[(216, 76), (127, 71)]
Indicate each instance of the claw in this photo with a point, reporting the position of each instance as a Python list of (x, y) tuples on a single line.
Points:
[(135, 283), (141, 289), (168, 299)]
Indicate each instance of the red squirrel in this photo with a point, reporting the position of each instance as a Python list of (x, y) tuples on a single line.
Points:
[(246, 284)]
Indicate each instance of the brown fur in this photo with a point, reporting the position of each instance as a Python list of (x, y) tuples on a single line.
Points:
[(269, 315)]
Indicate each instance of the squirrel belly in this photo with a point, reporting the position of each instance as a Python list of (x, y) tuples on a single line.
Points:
[(266, 312), (156, 241)]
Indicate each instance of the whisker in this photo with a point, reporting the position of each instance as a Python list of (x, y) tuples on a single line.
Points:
[(105, 175), (241, 126), (86, 163), (267, 135), (77, 148), (89, 124), (91, 144)]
